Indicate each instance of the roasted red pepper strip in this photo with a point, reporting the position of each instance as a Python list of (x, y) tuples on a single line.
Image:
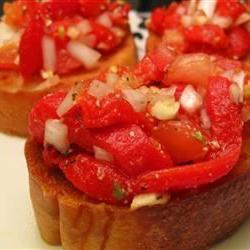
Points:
[(132, 149), (239, 42), (110, 110), (77, 133), (45, 109), (226, 128), (224, 114), (189, 176), (98, 180), (31, 42)]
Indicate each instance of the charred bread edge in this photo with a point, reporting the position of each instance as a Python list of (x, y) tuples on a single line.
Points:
[(14, 107), (196, 221)]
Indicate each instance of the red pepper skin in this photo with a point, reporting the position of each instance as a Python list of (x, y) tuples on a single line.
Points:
[(223, 113), (132, 149), (239, 42), (206, 35), (108, 111), (189, 176), (96, 179), (31, 42), (45, 109)]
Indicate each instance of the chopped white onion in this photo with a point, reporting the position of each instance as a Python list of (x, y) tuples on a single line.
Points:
[(222, 21), (187, 20), (112, 78), (8, 34), (208, 6), (190, 99), (105, 20), (137, 100), (84, 27), (86, 55), (192, 7), (235, 93), (151, 199), (99, 89), (89, 40), (69, 100), (205, 120), (56, 134), (49, 53), (101, 154), (239, 78), (243, 18)]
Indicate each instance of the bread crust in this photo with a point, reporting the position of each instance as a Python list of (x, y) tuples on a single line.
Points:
[(16, 102), (189, 221)]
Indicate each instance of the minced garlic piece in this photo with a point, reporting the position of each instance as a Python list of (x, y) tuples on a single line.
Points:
[(152, 199), (46, 74), (165, 110), (73, 32)]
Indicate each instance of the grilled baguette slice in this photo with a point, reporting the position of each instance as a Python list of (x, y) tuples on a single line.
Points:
[(190, 221), (16, 100)]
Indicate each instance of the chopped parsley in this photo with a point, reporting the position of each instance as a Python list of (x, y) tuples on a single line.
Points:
[(199, 136), (118, 193)]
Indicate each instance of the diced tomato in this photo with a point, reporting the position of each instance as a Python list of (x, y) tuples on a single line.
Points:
[(188, 176), (176, 135), (45, 109), (147, 71), (119, 16), (224, 114), (230, 8), (99, 180), (58, 9), (228, 64), (162, 57), (239, 42), (108, 111), (92, 8), (77, 133), (106, 40), (65, 63), (162, 19), (157, 19), (132, 149), (31, 42), (208, 35)]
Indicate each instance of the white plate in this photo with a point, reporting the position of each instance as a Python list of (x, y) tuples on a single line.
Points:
[(17, 224)]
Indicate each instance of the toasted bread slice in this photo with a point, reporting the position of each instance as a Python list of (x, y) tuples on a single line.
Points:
[(16, 100), (190, 221)]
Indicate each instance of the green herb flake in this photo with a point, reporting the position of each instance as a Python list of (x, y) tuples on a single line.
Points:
[(199, 136), (118, 193), (61, 31)]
